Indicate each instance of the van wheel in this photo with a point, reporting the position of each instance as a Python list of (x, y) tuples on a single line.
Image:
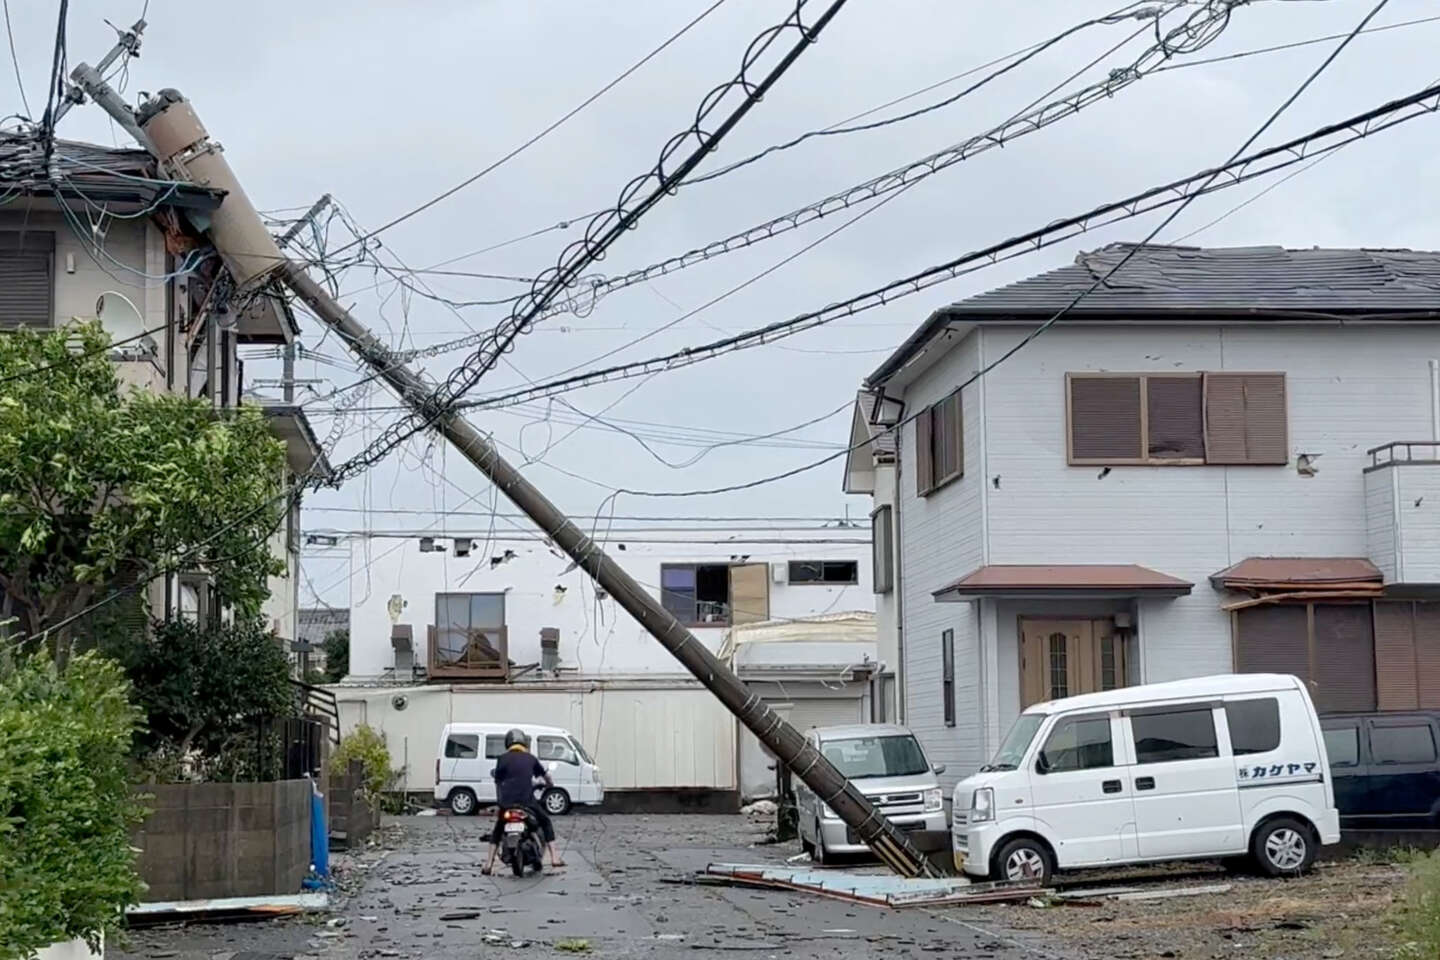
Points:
[(1023, 861), (1283, 847), (556, 802), (820, 854), (462, 802)]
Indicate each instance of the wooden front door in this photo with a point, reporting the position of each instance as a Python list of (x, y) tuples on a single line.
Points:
[(1063, 658)]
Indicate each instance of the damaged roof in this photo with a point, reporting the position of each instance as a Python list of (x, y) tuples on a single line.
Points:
[(89, 172), (1175, 282)]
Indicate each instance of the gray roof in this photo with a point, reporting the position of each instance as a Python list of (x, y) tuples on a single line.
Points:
[(316, 622), (93, 173), (1257, 283)]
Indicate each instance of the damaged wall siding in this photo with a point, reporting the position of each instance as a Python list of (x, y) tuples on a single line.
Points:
[(941, 541)]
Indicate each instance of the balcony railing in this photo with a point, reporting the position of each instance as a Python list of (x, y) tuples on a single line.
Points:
[(480, 654), (1404, 451)]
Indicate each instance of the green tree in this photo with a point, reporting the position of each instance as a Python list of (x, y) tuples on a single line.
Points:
[(337, 655), (203, 687), (99, 485), (66, 809)]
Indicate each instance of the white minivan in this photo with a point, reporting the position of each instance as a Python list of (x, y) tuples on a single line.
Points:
[(465, 764), (1216, 767)]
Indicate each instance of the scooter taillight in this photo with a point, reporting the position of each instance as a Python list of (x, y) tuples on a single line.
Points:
[(514, 816)]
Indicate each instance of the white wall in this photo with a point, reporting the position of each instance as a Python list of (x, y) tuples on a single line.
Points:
[(1350, 389), (887, 635), (642, 736), (596, 638)]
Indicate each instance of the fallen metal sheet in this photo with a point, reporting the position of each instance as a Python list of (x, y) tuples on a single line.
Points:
[(875, 889), (275, 905), (1173, 892)]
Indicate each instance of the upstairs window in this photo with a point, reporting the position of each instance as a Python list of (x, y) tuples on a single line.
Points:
[(697, 594), (939, 445), (27, 279), (882, 549), (1176, 418), (824, 571)]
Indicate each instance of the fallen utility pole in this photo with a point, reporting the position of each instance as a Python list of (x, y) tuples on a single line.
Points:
[(174, 134)]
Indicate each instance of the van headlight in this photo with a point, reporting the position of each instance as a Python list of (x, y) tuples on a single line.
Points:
[(934, 800), (982, 805)]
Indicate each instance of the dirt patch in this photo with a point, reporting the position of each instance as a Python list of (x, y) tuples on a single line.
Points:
[(1338, 912)]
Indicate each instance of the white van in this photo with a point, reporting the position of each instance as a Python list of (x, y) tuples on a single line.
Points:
[(1229, 766), (465, 764)]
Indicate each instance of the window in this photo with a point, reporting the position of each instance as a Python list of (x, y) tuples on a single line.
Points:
[(1185, 733), (1408, 744), (27, 279), (462, 746), (494, 747), (1254, 725), (1342, 746), (824, 571), (939, 445), (882, 549), (555, 748), (1189, 418), (466, 625), (580, 749), (861, 757), (1059, 666), (947, 674), (1082, 743), (697, 594)]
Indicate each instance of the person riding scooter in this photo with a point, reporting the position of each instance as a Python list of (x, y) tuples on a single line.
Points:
[(516, 771)]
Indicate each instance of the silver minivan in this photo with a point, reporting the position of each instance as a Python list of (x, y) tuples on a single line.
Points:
[(886, 763)]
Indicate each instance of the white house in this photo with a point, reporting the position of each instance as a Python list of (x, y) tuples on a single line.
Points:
[(1194, 472), (502, 625)]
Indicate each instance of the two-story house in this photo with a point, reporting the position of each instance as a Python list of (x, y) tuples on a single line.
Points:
[(1220, 460), (97, 232)]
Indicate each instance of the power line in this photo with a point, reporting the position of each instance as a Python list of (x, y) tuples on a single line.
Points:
[(10, 34), (1244, 54), (1040, 330), (541, 135), (75, 358), (858, 523)]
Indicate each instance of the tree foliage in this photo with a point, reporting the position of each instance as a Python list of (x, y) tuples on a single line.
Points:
[(368, 746), (205, 687), (337, 655), (99, 484), (66, 808)]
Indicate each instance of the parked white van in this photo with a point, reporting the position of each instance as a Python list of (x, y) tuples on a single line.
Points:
[(465, 764), (1228, 766)]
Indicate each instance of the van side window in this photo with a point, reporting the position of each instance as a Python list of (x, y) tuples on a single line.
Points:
[(462, 746), (1342, 746), (1408, 744), (1082, 743), (494, 747), (1174, 733), (555, 748), (1254, 725)]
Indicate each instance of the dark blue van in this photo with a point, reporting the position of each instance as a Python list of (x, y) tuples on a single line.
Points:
[(1386, 769)]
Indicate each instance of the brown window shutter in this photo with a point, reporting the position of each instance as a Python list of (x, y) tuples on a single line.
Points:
[(924, 451), (1105, 419), (1427, 655), (27, 279), (1273, 639), (1395, 687), (1344, 658), (956, 423), (1245, 419), (1176, 418)]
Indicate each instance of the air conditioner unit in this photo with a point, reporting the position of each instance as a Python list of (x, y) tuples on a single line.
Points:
[(427, 545), (462, 546), (780, 572)]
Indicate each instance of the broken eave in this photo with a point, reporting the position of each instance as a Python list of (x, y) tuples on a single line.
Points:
[(1297, 577), (1062, 582), (303, 452)]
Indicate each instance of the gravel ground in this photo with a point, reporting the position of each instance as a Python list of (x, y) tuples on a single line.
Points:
[(418, 892)]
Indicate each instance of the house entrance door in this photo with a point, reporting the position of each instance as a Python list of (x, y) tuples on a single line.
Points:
[(1063, 658)]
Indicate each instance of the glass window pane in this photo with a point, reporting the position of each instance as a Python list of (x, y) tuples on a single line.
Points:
[(1181, 734), (494, 747), (1414, 744), (677, 578), (1254, 725), (452, 611), (1059, 667), (806, 571), (1082, 744), (1342, 745), (487, 610), (555, 748), (462, 746)]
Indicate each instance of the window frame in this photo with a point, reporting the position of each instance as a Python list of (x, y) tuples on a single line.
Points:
[(22, 242), (882, 549), (1204, 707), (1230, 728), (934, 425), (790, 580), (947, 674), (574, 758), (1402, 723), (1045, 771), (1354, 730), (494, 738), (694, 619), (459, 738)]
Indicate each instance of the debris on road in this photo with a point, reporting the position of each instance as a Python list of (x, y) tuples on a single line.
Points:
[(1084, 896), (879, 890), (573, 946), (760, 809), (227, 909)]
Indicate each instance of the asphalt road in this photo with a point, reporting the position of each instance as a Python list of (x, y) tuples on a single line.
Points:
[(424, 896)]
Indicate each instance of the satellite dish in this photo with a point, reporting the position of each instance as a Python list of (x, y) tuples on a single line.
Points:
[(119, 316)]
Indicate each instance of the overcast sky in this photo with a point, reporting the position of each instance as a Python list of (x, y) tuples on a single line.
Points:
[(384, 105)]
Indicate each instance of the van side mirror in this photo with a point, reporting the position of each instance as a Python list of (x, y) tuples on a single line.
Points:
[(1042, 765), (938, 769)]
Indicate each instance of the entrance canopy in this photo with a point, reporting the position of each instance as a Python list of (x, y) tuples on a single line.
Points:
[(1062, 581)]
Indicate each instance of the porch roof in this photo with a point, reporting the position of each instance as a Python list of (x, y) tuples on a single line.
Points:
[(1063, 580), (1296, 574)]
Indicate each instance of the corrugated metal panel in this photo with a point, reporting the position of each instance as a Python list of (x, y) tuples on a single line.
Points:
[(1344, 658), (1245, 419), (1395, 655), (1273, 639), (1427, 655), (1175, 417), (27, 279), (1105, 418)]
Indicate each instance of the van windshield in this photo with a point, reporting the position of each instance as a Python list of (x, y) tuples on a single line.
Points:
[(861, 757), (581, 750), (1017, 741)]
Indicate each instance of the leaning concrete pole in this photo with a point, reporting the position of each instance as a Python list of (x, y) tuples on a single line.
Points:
[(175, 135)]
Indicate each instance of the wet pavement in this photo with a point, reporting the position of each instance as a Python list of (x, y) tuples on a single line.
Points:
[(420, 893)]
